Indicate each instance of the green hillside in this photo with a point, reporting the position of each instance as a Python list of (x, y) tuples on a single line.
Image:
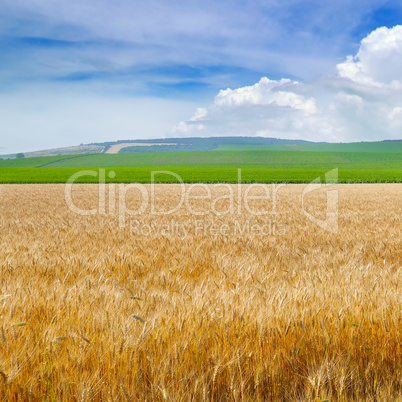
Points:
[(383, 146), (210, 159), (215, 166)]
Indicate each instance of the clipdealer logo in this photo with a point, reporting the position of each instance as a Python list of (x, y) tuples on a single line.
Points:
[(112, 198)]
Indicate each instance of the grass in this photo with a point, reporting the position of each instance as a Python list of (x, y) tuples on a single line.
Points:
[(34, 162), (257, 166), (275, 174), (385, 146), (94, 311), (208, 158)]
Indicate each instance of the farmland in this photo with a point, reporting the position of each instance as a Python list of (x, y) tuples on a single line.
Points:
[(211, 166), (211, 159), (384, 146), (159, 310)]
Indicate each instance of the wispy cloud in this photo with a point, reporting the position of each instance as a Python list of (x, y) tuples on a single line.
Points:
[(265, 36)]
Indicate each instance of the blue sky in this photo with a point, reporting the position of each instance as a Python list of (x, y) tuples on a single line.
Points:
[(85, 71)]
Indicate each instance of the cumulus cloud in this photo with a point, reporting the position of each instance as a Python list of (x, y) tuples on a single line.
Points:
[(362, 101), (267, 92), (378, 60)]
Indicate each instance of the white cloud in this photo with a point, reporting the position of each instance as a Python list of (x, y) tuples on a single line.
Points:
[(396, 113), (362, 102), (379, 59), (200, 114), (266, 92)]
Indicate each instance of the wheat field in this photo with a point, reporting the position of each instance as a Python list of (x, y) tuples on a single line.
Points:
[(187, 307)]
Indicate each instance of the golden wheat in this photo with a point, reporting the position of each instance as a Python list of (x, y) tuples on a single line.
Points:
[(94, 311)]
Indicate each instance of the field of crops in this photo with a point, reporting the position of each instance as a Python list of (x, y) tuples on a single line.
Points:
[(210, 166), (384, 146), (211, 159), (210, 302), (276, 174)]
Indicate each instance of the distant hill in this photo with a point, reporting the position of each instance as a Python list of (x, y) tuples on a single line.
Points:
[(215, 144), (73, 150), (192, 144), (247, 144)]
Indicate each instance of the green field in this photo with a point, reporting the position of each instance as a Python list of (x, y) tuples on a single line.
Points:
[(209, 166), (297, 174), (212, 159), (384, 146)]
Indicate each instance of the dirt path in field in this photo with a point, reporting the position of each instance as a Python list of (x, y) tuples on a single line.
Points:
[(115, 149)]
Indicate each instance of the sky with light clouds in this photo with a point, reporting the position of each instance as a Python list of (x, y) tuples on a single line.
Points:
[(90, 71)]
